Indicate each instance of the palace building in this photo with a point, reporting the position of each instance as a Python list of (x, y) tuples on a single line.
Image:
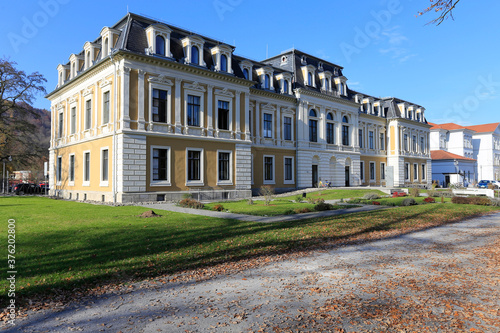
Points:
[(148, 111)]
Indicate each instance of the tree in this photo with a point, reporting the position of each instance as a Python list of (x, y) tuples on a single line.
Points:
[(443, 7), (17, 127)]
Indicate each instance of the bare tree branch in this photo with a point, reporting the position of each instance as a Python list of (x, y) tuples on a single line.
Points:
[(443, 7)]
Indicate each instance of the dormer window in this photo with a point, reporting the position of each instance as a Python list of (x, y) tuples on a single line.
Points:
[(245, 73), (309, 72), (75, 64), (420, 114), (91, 51), (368, 105), (109, 38), (222, 55), (325, 78), (284, 80), (63, 74), (246, 68), (158, 36), (340, 82), (193, 50), (266, 74)]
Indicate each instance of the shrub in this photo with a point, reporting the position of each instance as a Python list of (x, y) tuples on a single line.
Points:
[(187, 196), (302, 210), (432, 193), (298, 198), (371, 196), (495, 202), (429, 200), (250, 202), (267, 192), (442, 199), (483, 201), (415, 192), (218, 208), (321, 206), (288, 212), (409, 202), (460, 200), (319, 200), (376, 203), (310, 200), (191, 203), (398, 194)]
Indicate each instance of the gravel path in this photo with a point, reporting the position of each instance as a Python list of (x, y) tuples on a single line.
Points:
[(442, 279)]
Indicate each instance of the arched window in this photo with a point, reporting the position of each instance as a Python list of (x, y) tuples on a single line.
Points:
[(88, 59), (223, 63), (195, 55), (105, 48), (330, 137), (345, 131), (285, 86), (313, 126), (267, 81), (309, 79), (245, 73), (329, 116), (160, 45)]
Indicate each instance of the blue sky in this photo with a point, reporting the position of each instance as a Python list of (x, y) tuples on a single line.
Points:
[(452, 70)]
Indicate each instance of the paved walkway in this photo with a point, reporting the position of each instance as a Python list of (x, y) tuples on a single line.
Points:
[(264, 219), (442, 279)]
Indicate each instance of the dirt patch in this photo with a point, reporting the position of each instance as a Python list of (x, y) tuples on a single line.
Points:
[(149, 213)]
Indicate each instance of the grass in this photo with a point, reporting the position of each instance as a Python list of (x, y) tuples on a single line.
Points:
[(65, 246), (338, 194), (397, 201), (258, 208)]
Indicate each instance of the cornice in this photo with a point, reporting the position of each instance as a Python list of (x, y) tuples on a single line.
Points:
[(264, 93), (327, 97)]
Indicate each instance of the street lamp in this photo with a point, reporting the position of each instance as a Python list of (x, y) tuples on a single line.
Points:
[(3, 173)]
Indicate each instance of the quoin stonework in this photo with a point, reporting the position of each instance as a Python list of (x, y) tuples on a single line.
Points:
[(147, 111)]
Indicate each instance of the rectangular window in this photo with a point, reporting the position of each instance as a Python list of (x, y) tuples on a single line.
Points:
[(345, 135), (88, 114), (370, 140), (382, 141), (407, 171), (223, 115), (104, 165), (287, 128), (330, 133), (268, 125), (61, 125), (160, 164), (424, 172), (415, 171), (86, 167), (360, 138), (105, 108), (193, 112), (382, 171), (362, 170), (288, 169), (72, 168), (59, 169), (313, 130), (268, 168), (73, 120), (414, 143), (194, 165), (372, 171), (405, 142), (224, 166), (160, 105), (422, 146)]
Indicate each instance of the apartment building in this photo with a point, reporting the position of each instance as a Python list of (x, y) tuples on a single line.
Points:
[(148, 111)]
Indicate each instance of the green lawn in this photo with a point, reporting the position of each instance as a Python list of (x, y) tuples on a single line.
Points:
[(275, 208), (397, 201), (63, 245), (339, 194)]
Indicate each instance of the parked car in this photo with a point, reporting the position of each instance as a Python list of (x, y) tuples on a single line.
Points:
[(26, 188), (485, 183)]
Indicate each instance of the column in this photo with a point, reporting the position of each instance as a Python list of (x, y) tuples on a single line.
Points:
[(322, 125), (278, 125), (140, 99), (96, 105), (210, 126), (257, 122), (247, 117), (178, 123), (125, 97), (237, 109)]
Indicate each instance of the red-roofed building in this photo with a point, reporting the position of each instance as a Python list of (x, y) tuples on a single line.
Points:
[(451, 142), (449, 168)]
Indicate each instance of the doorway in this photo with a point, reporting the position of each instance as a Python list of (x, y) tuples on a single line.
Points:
[(315, 176), (347, 176)]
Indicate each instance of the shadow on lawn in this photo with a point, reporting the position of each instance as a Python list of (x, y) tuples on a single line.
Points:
[(115, 252)]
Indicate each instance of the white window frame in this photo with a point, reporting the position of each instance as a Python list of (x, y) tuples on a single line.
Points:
[(73, 131), (85, 113), (103, 183), (201, 95), (230, 181), (383, 171), (230, 120), (283, 116), (424, 171), (272, 125), (200, 182), (167, 182), (58, 167), (415, 168), (84, 168), (71, 182), (362, 170), (264, 181), (290, 181), (168, 89), (407, 171), (60, 129), (374, 171), (107, 90)]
